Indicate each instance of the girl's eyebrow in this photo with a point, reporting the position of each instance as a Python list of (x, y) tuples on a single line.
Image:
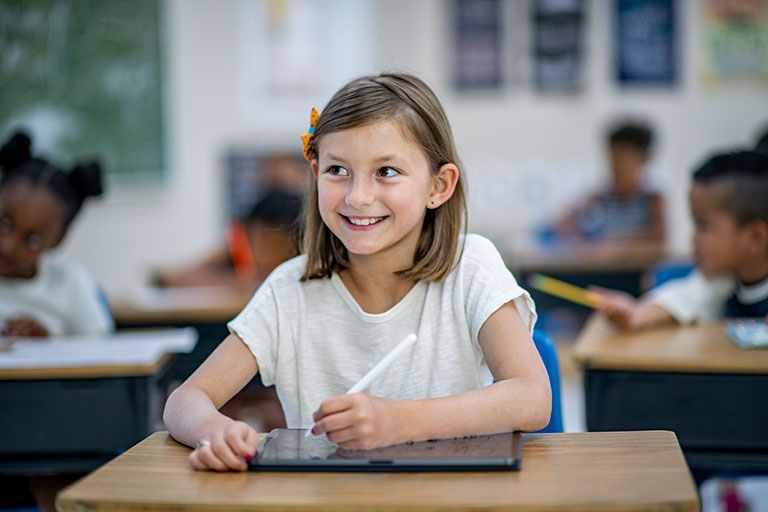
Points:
[(337, 158), (383, 158)]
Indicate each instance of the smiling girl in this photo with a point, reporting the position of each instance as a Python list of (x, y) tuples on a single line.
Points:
[(384, 255)]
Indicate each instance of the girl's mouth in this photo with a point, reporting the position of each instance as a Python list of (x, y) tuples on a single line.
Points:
[(362, 222)]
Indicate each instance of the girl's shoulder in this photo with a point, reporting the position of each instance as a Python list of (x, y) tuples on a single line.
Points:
[(288, 271), (477, 257), (477, 249)]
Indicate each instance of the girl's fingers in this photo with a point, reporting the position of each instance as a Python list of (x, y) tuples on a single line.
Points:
[(252, 442), (342, 436), (207, 459), (238, 441), (334, 422), (227, 456), (228, 450), (196, 463), (332, 406)]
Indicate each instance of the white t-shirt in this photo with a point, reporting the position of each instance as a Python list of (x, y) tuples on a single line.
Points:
[(313, 341), (694, 298), (62, 297)]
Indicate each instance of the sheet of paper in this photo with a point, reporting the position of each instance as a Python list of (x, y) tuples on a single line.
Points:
[(128, 348)]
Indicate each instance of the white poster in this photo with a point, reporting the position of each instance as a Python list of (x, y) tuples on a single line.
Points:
[(294, 54)]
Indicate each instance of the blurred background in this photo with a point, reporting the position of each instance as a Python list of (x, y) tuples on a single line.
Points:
[(176, 95), (196, 108)]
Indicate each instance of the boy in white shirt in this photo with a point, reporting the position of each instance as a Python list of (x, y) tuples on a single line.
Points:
[(729, 205)]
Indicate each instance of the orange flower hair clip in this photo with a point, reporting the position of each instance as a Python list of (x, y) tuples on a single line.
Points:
[(309, 137)]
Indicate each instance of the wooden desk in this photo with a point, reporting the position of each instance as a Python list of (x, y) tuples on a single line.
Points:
[(580, 472), (692, 380), (68, 406), (205, 308), (620, 266), (181, 305)]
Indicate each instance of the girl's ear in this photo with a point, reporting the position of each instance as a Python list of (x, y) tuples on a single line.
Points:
[(443, 185), (313, 166)]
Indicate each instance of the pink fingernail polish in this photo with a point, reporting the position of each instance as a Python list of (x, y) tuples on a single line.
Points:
[(248, 457)]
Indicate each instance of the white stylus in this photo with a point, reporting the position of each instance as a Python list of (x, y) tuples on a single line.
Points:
[(379, 368)]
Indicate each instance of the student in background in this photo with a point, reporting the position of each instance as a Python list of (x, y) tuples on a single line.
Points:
[(256, 245), (730, 213), (41, 295), (384, 256), (626, 211)]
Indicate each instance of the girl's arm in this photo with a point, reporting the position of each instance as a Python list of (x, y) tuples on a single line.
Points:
[(192, 410), (519, 400)]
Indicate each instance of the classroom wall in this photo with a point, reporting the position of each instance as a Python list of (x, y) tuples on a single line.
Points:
[(527, 154)]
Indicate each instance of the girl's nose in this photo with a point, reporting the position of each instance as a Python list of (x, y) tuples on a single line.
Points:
[(360, 192)]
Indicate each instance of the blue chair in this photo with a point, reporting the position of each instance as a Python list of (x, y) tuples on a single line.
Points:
[(668, 270), (548, 353)]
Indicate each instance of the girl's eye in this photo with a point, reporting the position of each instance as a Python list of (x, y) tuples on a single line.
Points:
[(338, 170), (34, 241), (5, 224), (388, 172)]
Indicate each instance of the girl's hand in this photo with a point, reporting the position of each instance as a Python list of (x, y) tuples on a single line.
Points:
[(359, 422), (620, 307), (228, 449), (24, 326)]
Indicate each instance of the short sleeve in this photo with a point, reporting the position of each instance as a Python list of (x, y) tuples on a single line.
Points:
[(257, 326), (693, 298), (488, 285)]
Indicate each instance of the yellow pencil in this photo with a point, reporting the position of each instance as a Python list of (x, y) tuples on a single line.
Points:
[(565, 291)]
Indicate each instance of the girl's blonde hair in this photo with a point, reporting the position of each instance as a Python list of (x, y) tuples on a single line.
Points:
[(409, 100)]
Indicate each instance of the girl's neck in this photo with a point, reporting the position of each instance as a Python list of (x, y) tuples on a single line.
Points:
[(375, 287)]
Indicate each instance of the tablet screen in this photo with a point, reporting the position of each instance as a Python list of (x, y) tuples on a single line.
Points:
[(289, 447)]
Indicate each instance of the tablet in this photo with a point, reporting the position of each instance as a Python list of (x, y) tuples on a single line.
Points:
[(748, 333), (289, 450)]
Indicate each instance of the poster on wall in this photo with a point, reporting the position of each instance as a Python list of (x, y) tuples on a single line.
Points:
[(294, 54), (645, 42), (734, 43), (558, 33), (478, 44)]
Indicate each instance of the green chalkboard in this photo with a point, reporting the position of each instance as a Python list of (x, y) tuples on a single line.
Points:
[(84, 77)]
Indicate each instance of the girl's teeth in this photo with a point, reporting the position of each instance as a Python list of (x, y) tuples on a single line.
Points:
[(364, 222)]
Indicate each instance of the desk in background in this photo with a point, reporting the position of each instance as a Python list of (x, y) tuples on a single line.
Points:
[(620, 267), (578, 471), (692, 380), (205, 308), (69, 405)]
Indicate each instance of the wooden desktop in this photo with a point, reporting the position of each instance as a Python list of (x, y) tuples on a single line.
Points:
[(692, 380), (617, 471), (181, 305)]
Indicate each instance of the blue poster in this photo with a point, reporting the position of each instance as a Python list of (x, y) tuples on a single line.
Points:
[(646, 49)]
